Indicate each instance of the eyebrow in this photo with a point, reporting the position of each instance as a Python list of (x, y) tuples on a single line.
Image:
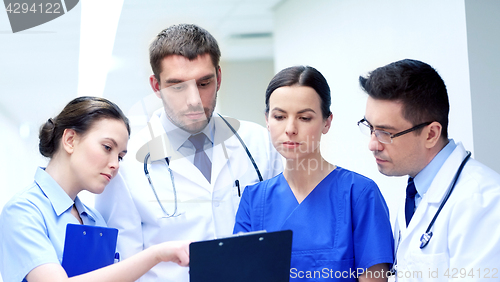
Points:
[(306, 110), (114, 143), (381, 126), (299, 112), (176, 80)]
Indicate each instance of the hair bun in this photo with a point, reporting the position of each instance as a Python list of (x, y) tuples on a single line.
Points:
[(46, 136)]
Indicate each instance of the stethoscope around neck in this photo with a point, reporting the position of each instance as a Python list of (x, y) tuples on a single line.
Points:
[(167, 161), (426, 237)]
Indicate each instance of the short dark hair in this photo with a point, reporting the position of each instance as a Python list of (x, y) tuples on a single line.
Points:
[(187, 40), (302, 76), (417, 85), (79, 114)]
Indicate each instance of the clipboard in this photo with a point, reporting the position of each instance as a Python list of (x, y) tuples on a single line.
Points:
[(87, 248), (256, 256)]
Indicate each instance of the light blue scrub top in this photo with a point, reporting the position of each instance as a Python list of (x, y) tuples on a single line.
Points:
[(342, 225), (33, 226)]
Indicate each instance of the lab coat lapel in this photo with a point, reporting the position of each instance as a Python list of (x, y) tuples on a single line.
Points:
[(443, 179), (431, 200), (160, 147), (188, 171), (225, 144), (400, 230)]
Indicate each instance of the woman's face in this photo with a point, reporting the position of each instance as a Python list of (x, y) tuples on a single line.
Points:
[(295, 122), (96, 154)]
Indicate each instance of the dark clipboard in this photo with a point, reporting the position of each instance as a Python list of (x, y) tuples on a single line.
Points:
[(87, 248), (262, 256)]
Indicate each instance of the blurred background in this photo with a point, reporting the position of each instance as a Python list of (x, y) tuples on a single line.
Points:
[(100, 48)]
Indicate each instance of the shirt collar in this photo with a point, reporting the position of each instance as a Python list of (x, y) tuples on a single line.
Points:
[(60, 201), (88, 217), (425, 177), (58, 198), (178, 136)]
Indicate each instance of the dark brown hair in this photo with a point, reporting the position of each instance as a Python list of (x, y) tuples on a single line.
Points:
[(302, 76), (415, 84), (187, 40), (79, 114)]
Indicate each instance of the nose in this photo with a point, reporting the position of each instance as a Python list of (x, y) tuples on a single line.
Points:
[(192, 94), (114, 164), (291, 128), (374, 145)]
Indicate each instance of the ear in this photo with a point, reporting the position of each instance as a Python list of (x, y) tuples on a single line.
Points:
[(433, 134), (68, 140), (328, 124), (219, 77), (155, 85)]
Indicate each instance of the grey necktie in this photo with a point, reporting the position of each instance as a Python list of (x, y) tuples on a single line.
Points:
[(201, 160)]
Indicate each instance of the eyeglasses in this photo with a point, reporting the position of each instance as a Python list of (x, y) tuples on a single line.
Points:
[(384, 136)]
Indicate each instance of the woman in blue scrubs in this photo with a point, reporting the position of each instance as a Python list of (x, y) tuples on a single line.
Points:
[(339, 219), (85, 143)]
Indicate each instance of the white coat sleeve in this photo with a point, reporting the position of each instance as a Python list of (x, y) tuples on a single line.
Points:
[(118, 208)]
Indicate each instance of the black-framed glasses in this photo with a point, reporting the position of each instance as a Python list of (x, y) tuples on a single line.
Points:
[(384, 136)]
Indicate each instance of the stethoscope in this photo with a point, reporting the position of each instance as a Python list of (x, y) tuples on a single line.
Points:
[(427, 236), (167, 161)]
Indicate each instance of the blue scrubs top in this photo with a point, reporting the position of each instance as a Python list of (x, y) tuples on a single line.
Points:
[(33, 226), (341, 226)]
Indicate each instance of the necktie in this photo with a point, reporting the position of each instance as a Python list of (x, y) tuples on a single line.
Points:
[(411, 191), (201, 160)]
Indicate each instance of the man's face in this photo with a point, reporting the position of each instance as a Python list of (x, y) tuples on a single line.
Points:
[(406, 154), (188, 90)]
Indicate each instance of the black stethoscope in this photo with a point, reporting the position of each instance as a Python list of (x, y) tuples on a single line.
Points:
[(426, 237), (146, 172)]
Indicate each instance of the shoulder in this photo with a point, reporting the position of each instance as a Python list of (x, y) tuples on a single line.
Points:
[(356, 186), (354, 179), (250, 125), (30, 197), (26, 206), (246, 129), (263, 188), (476, 178), (479, 180)]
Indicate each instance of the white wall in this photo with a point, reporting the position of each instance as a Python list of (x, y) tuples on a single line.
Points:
[(243, 88), (20, 159), (483, 24), (344, 39)]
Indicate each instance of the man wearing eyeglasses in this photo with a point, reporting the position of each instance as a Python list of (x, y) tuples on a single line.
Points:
[(443, 230)]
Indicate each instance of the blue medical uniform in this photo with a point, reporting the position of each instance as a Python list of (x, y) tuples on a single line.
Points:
[(33, 226), (341, 226)]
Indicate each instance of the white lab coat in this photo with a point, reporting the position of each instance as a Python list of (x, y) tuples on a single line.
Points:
[(205, 210), (466, 234)]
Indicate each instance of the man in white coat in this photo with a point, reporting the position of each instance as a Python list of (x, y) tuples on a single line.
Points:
[(197, 166), (407, 119)]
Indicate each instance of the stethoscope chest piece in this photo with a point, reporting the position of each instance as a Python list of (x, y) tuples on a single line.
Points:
[(426, 237)]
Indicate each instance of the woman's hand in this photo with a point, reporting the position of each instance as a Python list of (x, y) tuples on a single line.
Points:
[(174, 251)]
